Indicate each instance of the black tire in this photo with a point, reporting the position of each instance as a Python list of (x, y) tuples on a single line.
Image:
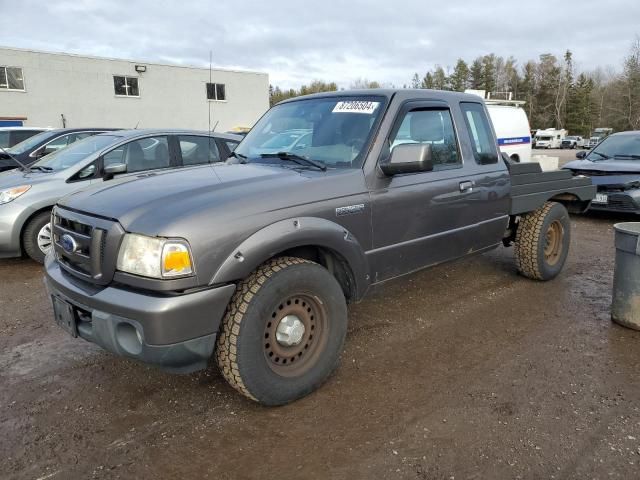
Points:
[(30, 236), (542, 241), (248, 354)]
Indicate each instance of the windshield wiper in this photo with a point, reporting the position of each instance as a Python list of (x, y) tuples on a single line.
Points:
[(41, 168), (627, 156), (300, 160), (602, 155)]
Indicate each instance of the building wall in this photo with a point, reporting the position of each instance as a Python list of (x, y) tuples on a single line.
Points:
[(82, 89)]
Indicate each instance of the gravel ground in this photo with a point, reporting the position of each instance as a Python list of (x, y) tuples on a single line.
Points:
[(464, 371)]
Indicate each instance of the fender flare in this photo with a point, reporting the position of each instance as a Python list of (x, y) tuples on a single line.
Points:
[(291, 233)]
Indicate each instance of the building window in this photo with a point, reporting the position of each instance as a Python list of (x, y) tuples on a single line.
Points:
[(11, 78), (126, 86), (216, 91)]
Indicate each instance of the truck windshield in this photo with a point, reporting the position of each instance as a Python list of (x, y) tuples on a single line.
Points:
[(333, 131), (78, 151), (621, 147)]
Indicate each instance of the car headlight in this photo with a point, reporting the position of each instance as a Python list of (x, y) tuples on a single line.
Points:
[(154, 257), (10, 194)]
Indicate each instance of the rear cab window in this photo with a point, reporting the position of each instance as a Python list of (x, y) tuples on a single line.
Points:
[(485, 150)]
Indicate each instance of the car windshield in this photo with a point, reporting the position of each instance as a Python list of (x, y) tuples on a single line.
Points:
[(331, 131), (619, 147), (75, 153), (30, 142)]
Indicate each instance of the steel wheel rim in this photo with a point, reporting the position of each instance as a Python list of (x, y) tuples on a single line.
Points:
[(296, 360), (553, 242), (44, 238)]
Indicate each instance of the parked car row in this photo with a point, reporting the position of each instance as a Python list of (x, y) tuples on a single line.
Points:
[(43, 143), (59, 162)]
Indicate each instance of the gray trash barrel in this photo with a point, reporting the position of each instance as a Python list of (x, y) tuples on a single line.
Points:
[(625, 308)]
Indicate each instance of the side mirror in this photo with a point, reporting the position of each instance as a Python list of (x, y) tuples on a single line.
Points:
[(581, 154), (408, 158), (114, 168)]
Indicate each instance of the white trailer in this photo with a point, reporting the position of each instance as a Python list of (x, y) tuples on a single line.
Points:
[(550, 138)]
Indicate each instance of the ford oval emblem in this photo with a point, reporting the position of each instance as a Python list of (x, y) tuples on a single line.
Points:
[(68, 243)]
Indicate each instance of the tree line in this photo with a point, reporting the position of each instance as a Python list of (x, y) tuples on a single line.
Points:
[(556, 94)]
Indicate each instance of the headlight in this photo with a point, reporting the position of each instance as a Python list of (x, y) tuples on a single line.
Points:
[(154, 257), (12, 193)]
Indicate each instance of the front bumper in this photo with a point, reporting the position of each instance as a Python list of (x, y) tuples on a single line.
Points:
[(174, 332), (624, 202)]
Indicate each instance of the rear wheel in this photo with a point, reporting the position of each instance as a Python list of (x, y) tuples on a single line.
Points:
[(37, 238), (283, 332), (542, 241)]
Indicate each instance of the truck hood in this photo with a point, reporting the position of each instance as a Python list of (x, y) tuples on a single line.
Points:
[(166, 203)]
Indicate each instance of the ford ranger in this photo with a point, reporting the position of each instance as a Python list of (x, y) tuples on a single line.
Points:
[(253, 262)]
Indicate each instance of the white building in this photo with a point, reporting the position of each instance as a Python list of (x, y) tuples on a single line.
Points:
[(57, 89)]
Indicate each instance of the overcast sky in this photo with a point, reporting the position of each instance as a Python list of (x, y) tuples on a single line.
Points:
[(296, 42)]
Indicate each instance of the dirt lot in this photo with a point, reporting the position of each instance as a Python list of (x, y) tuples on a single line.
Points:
[(462, 371)]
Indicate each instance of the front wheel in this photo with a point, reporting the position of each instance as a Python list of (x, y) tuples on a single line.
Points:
[(542, 241), (36, 237), (283, 332)]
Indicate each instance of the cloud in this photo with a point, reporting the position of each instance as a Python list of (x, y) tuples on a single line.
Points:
[(296, 42)]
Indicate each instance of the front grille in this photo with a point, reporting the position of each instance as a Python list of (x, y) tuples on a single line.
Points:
[(620, 203), (86, 246)]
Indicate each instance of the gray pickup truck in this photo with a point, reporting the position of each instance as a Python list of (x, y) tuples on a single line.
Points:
[(254, 261)]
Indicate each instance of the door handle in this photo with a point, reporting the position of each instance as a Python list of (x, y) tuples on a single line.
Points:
[(466, 187)]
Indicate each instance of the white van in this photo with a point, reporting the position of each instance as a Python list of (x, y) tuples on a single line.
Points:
[(512, 129), (550, 138)]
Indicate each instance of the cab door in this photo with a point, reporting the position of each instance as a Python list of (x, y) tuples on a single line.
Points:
[(421, 219)]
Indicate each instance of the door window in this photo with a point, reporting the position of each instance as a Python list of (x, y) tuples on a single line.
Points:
[(58, 144), (434, 127), (196, 150), (143, 154), (482, 140)]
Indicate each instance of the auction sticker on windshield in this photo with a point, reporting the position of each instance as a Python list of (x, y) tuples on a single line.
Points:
[(356, 106)]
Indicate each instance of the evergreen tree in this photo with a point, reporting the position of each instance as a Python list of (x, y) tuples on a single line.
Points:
[(476, 74), (440, 80), (489, 72), (415, 81), (427, 81), (459, 79)]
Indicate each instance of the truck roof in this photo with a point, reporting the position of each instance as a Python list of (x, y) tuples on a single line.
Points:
[(402, 93)]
